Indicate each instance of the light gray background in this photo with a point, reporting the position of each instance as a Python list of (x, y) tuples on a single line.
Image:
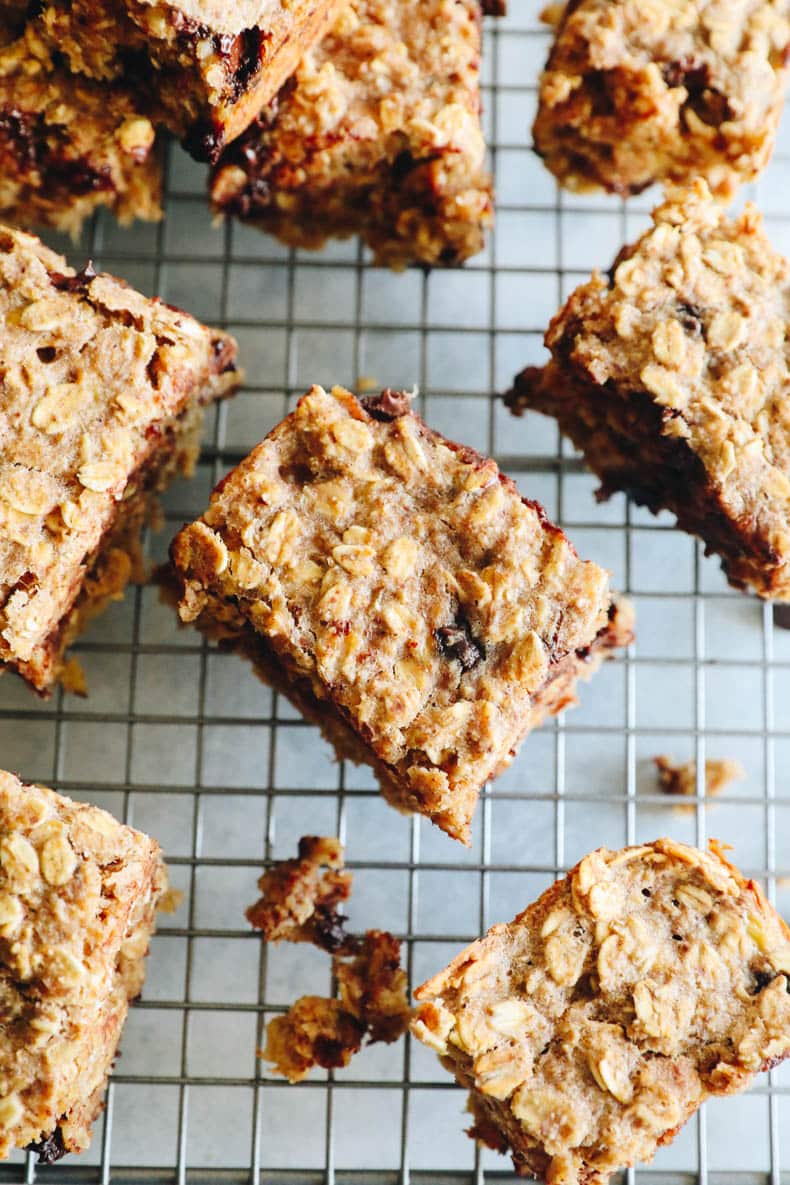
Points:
[(185, 743)]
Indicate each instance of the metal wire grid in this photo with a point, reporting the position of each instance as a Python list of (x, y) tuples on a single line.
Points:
[(182, 741)]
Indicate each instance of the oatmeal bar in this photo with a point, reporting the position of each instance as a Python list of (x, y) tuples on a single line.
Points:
[(637, 91), (590, 1028), (69, 145), (204, 68), (100, 395), (78, 893), (671, 376), (299, 898), (403, 582), (378, 134), (373, 1006)]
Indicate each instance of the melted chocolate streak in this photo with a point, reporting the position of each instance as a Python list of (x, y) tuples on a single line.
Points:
[(241, 55), (50, 1148), (26, 139)]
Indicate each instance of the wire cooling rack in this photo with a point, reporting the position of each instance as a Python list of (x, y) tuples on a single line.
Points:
[(183, 742)]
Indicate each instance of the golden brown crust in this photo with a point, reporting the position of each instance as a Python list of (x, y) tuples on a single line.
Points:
[(638, 91), (78, 893), (377, 134), (98, 401), (221, 622), (407, 581), (672, 376), (592, 1026), (118, 560)]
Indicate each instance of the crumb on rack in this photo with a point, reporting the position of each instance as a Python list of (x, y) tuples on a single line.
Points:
[(299, 897), (373, 985), (315, 1031), (679, 778), (781, 613), (298, 904), (373, 1006), (73, 679), (170, 901), (367, 382), (551, 15)]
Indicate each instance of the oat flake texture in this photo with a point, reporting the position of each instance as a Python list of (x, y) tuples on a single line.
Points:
[(403, 584), (590, 1028), (671, 376), (78, 895), (638, 91)]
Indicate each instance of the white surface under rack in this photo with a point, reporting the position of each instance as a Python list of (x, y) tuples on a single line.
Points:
[(183, 742)]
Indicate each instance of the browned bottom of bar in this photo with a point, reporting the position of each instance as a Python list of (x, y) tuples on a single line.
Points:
[(222, 623), (621, 436), (403, 219)]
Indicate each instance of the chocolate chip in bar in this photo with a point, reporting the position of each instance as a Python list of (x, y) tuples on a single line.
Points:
[(389, 405), (456, 641), (74, 283)]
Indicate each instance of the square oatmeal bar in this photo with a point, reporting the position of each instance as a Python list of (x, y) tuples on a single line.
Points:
[(671, 374), (378, 134), (78, 895), (404, 586), (637, 91), (592, 1027), (101, 392), (204, 68)]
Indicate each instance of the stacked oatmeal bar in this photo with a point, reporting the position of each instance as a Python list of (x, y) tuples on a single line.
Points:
[(101, 395), (590, 1028), (202, 68), (78, 897), (670, 374), (377, 134), (638, 91), (69, 145), (322, 117)]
